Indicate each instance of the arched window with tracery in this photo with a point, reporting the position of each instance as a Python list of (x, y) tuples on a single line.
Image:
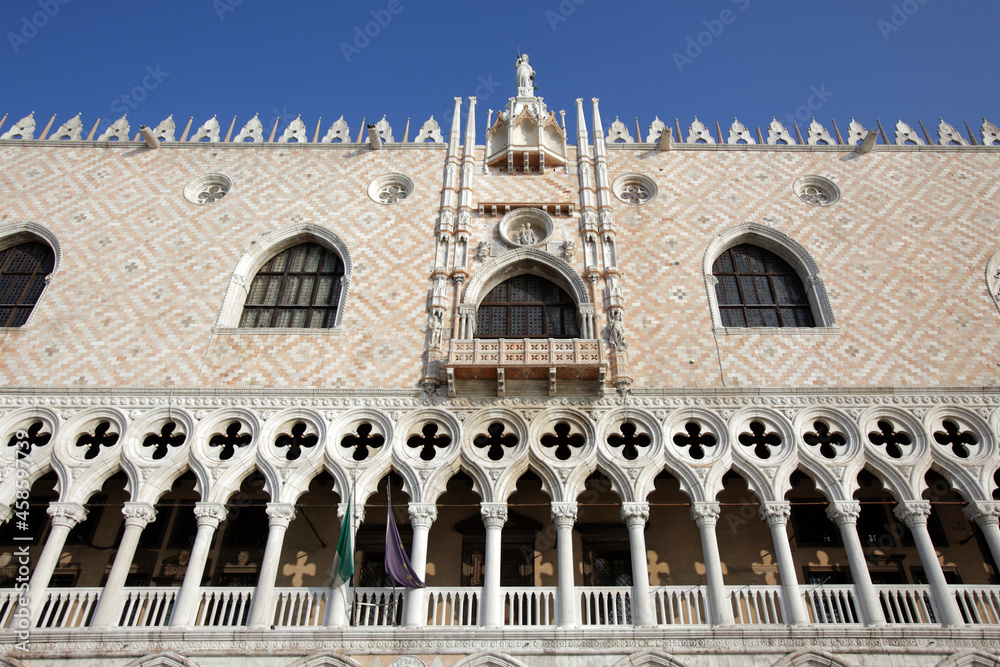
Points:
[(297, 288), (23, 269), (756, 288), (527, 306)]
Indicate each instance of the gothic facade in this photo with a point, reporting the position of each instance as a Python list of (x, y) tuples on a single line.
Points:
[(695, 398)]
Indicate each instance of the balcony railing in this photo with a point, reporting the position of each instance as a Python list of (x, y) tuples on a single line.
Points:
[(757, 604), (524, 352), (522, 606)]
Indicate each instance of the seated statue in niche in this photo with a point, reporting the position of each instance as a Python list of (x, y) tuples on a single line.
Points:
[(526, 235)]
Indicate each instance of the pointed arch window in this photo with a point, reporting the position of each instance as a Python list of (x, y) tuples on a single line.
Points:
[(297, 288), (23, 269), (527, 306), (756, 288)]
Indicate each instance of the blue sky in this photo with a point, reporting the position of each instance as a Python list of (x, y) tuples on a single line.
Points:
[(915, 59)]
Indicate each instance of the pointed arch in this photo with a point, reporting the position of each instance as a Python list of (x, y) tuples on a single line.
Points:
[(263, 250), (166, 659), (650, 658), (971, 658), (489, 658), (811, 658), (30, 255), (786, 249), (325, 660)]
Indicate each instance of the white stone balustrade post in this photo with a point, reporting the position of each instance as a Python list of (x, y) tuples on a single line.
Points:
[(422, 516), (564, 516), (137, 517), (494, 517), (914, 514), (776, 515), (262, 608), (706, 515), (64, 517), (986, 514), (845, 514), (635, 516), (210, 515)]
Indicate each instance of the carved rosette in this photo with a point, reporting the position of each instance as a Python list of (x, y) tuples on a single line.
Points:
[(564, 514), (635, 514), (912, 512), (280, 514), (775, 513), (138, 514), (422, 515), (494, 514), (210, 514), (67, 514), (983, 512), (705, 514), (844, 512)]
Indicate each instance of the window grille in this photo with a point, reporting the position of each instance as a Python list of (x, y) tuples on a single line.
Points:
[(298, 288), (756, 288), (527, 306), (23, 269)]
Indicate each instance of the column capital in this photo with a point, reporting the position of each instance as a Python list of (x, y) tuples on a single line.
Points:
[(912, 512), (66, 514), (210, 514), (138, 514), (705, 514), (563, 514), (635, 514), (422, 515), (983, 512), (5, 513), (775, 512), (494, 514), (843, 512), (280, 514), (359, 513)]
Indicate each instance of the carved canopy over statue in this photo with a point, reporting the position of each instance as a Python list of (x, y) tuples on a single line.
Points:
[(524, 76)]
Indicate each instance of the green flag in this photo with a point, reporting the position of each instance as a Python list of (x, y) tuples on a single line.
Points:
[(343, 561)]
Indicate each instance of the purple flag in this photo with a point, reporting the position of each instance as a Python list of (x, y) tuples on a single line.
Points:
[(397, 565)]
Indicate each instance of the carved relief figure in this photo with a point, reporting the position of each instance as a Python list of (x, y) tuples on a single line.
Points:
[(524, 77)]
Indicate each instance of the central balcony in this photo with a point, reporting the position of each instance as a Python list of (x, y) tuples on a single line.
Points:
[(520, 366)]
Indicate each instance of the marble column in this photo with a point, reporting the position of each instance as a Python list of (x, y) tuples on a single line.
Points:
[(986, 515), (564, 516), (776, 514), (422, 516), (494, 517), (137, 517), (209, 515), (64, 517), (262, 610), (635, 516), (845, 514), (706, 515), (914, 514)]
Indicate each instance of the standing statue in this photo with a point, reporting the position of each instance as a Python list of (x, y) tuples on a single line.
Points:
[(525, 77), (435, 325), (616, 331)]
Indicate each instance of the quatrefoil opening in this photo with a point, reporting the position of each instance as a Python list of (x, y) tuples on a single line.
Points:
[(162, 442), (629, 440), (887, 436), (296, 441), (26, 440), (230, 441), (760, 440), (363, 443), (563, 441), (695, 440), (99, 438), (959, 441), (830, 443), (428, 441), (495, 440)]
